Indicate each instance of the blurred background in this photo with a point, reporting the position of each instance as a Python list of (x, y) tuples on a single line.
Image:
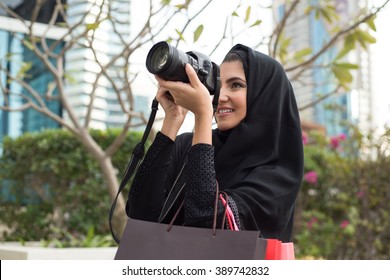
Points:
[(76, 96)]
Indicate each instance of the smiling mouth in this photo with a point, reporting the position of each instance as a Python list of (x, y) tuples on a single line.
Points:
[(225, 111)]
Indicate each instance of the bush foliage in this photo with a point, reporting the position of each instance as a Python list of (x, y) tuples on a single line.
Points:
[(343, 210), (53, 190), (51, 185)]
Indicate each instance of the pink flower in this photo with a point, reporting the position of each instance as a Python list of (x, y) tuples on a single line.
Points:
[(311, 177), (342, 137), (360, 194), (334, 142), (344, 224), (312, 221), (305, 138)]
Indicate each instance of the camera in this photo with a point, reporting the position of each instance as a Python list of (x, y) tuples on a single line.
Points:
[(168, 62)]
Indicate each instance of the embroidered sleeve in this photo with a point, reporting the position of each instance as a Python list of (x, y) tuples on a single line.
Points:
[(233, 207), (201, 185)]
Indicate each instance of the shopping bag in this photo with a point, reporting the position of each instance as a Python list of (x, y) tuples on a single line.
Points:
[(277, 250), (287, 251), (273, 249), (144, 240)]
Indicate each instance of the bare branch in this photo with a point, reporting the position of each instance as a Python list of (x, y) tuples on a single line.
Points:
[(320, 99), (277, 32), (110, 151), (222, 38), (49, 25), (189, 20), (13, 14), (37, 8)]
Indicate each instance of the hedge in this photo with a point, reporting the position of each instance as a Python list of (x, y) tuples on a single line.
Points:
[(52, 187)]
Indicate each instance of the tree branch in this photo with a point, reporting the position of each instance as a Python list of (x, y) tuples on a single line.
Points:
[(333, 40), (322, 98), (278, 31)]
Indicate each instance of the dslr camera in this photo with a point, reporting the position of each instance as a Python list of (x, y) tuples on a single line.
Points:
[(168, 62)]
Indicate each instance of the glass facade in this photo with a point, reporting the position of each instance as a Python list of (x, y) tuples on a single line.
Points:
[(14, 56), (39, 78), (333, 111), (10, 122), (311, 32)]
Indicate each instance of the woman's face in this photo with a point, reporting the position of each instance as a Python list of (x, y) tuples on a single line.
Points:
[(232, 100)]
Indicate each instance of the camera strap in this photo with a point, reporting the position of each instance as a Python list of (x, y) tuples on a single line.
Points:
[(137, 155)]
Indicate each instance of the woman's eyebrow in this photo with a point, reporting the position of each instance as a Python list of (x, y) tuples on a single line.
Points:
[(233, 79)]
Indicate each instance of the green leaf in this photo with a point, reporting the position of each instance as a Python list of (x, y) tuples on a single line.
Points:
[(308, 10), (370, 22), (349, 44), (366, 36), (343, 52), (28, 45), (347, 65), (180, 6), (198, 32), (325, 14), (181, 37), (247, 14), (342, 74), (61, 24), (165, 2), (285, 43), (24, 68), (234, 14), (72, 80), (257, 22), (302, 53), (93, 26)]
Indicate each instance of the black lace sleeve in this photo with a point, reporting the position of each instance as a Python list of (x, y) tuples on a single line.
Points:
[(201, 189), (147, 193), (201, 185)]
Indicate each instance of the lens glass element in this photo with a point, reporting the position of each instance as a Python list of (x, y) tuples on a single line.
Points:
[(160, 57)]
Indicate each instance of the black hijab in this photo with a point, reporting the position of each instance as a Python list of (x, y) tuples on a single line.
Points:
[(259, 163)]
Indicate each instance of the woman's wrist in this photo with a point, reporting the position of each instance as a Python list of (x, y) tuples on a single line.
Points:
[(202, 132), (171, 127)]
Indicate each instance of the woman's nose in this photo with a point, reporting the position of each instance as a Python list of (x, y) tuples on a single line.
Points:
[(223, 97)]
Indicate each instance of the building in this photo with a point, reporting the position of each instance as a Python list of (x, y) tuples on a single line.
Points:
[(345, 106), (80, 63)]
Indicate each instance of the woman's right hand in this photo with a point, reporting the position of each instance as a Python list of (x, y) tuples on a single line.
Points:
[(174, 114)]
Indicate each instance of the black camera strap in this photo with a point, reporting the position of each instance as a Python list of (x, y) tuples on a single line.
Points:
[(137, 155)]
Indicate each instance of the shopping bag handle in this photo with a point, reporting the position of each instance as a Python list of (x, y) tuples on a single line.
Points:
[(214, 228)]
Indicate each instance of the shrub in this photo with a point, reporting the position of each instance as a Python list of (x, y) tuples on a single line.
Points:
[(343, 211), (50, 181)]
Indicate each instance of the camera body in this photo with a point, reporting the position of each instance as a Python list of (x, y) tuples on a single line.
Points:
[(168, 62)]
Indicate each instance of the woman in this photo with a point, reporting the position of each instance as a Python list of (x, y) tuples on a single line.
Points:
[(255, 155)]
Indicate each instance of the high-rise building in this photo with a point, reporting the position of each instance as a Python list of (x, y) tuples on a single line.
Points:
[(80, 63), (82, 66), (344, 106), (17, 59)]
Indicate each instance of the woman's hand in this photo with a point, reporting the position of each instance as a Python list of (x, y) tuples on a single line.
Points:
[(194, 97), (172, 111), (174, 114)]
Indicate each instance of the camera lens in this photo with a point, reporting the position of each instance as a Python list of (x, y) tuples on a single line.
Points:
[(167, 62), (159, 58)]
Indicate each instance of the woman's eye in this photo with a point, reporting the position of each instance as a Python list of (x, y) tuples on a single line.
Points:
[(236, 85)]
